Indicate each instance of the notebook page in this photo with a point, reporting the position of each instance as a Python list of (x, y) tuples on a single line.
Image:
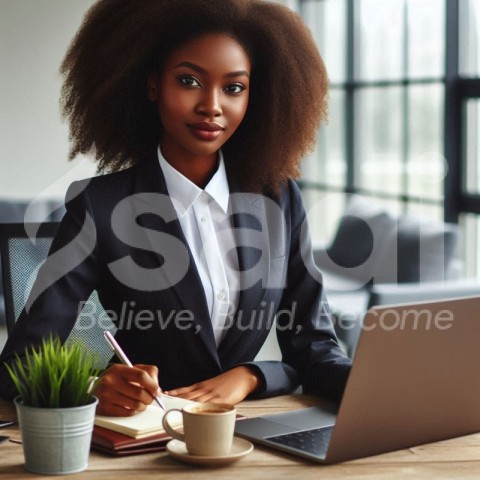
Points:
[(146, 423)]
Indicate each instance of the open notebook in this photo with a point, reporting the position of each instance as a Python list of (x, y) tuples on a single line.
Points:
[(146, 423)]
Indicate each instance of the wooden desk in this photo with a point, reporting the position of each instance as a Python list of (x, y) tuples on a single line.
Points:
[(456, 458)]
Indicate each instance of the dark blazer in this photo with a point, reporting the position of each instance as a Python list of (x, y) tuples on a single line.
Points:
[(121, 237)]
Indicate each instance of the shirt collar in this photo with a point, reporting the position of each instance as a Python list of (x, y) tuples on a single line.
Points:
[(184, 192)]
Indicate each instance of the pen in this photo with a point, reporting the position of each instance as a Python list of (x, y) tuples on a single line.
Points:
[(124, 359)]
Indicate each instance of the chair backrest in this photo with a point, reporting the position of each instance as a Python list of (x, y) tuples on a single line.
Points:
[(21, 257)]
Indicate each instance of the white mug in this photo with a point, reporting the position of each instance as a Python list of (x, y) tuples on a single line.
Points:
[(208, 428)]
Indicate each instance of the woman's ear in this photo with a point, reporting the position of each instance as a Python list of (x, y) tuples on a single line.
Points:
[(152, 87)]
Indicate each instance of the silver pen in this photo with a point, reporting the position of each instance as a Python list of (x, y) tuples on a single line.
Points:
[(124, 359)]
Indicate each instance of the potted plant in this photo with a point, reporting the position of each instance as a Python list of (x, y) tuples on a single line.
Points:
[(54, 407)]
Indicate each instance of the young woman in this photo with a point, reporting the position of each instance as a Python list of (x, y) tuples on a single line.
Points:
[(199, 111)]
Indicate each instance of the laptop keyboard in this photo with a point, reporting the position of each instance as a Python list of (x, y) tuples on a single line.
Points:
[(314, 441)]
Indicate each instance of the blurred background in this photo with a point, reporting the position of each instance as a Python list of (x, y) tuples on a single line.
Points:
[(404, 112), (404, 119)]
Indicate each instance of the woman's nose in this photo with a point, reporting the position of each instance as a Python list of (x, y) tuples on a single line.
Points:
[(209, 104)]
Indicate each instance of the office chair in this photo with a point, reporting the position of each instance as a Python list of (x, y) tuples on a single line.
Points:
[(21, 258)]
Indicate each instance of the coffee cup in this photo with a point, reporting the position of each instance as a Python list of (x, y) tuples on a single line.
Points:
[(208, 428)]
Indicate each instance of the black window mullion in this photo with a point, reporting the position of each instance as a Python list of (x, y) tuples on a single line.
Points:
[(467, 202), (405, 113), (470, 203), (470, 88), (453, 115), (351, 174)]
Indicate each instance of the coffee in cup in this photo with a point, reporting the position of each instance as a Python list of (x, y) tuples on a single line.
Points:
[(208, 428)]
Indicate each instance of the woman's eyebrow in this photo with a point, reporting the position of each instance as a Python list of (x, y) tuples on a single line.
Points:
[(201, 70), (240, 73)]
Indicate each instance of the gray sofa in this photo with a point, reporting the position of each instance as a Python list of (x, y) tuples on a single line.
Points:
[(378, 259)]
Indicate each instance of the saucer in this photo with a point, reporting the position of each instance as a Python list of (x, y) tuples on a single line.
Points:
[(240, 448)]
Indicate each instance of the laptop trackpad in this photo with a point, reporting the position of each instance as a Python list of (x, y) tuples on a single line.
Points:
[(259, 428), (306, 418), (279, 424)]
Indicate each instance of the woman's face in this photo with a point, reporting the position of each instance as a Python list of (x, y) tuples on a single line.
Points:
[(202, 95)]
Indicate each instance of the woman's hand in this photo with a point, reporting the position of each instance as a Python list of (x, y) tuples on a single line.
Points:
[(123, 391), (229, 387)]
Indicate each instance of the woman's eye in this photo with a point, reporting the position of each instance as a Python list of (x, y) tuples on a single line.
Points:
[(189, 81), (235, 88)]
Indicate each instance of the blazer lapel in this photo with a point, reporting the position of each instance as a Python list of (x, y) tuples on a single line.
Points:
[(179, 261), (253, 246), (252, 240)]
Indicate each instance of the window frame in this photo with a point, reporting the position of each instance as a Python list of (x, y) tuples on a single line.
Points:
[(455, 200)]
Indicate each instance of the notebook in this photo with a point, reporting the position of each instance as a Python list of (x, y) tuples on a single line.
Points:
[(146, 423), (413, 381), (119, 444)]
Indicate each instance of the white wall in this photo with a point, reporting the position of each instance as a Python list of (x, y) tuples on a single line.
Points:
[(34, 35)]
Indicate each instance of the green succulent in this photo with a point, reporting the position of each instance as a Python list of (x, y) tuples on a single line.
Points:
[(54, 375)]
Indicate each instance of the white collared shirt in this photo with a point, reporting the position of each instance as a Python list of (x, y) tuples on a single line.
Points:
[(203, 216)]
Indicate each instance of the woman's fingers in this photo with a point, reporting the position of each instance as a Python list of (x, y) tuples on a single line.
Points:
[(124, 390), (231, 386)]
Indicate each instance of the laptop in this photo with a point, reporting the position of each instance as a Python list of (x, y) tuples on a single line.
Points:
[(414, 380)]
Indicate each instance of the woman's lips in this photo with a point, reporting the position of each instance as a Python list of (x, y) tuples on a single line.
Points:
[(206, 130)]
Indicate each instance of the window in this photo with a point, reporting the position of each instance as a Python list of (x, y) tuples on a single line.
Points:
[(384, 139), (404, 124), (468, 145)]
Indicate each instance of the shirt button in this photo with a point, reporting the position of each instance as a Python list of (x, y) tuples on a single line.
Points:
[(203, 219), (221, 295)]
